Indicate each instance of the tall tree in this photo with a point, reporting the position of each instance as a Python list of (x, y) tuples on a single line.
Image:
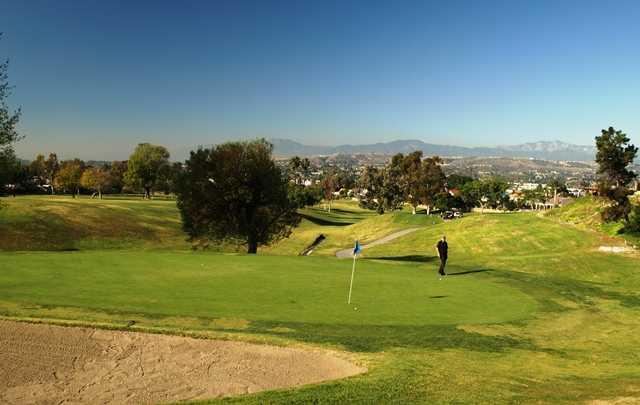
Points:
[(96, 179), (8, 123), (145, 166), (486, 193), (51, 169), (329, 185), (433, 181), (38, 168), (615, 155), (68, 177), (412, 179), (117, 170), (298, 169), (235, 192), (381, 188), (371, 184)]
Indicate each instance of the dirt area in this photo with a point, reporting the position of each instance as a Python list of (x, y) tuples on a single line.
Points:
[(47, 364)]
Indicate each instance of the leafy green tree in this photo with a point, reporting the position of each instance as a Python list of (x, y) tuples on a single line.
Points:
[(371, 184), (51, 169), (145, 166), (486, 193), (117, 170), (96, 179), (298, 169), (235, 192), (8, 131), (168, 178), (412, 178), (38, 168), (69, 175), (381, 188), (329, 185), (457, 181), (303, 196), (615, 155), (433, 181)]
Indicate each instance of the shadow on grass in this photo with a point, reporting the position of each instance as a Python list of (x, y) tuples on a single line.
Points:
[(461, 273), (409, 258), (376, 338), (325, 222)]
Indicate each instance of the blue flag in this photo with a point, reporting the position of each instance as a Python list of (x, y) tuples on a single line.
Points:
[(357, 249)]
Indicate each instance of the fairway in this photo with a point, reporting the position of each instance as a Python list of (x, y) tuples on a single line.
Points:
[(273, 289), (530, 312)]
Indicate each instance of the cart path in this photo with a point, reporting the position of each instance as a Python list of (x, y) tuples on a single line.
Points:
[(348, 253)]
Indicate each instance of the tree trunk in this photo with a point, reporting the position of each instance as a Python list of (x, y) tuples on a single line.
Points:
[(100, 194), (329, 206), (428, 209), (413, 210), (252, 248), (147, 193)]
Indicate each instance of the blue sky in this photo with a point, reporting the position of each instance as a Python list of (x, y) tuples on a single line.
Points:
[(95, 78)]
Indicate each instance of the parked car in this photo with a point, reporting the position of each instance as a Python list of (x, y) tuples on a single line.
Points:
[(448, 215)]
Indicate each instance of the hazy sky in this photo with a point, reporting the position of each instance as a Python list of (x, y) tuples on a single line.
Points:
[(95, 78)]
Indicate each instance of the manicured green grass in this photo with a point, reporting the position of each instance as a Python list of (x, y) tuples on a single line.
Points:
[(535, 314), (269, 288)]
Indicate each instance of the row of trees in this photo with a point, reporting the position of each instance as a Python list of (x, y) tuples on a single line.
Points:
[(147, 169), (418, 181)]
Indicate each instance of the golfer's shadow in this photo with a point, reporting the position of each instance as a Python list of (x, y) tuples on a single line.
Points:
[(409, 258), (461, 273)]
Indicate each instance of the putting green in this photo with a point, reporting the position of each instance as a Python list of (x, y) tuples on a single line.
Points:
[(308, 290)]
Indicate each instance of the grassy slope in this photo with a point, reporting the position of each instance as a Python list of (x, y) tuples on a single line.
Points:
[(345, 224), (585, 213), (63, 223), (534, 314)]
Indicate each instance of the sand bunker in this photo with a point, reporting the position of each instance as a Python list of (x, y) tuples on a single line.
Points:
[(49, 364)]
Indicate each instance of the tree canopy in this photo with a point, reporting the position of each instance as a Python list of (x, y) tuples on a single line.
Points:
[(145, 166), (615, 155), (96, 179), (69, 175), (235, 192)]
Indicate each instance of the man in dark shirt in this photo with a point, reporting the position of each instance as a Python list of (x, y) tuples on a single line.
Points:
[(442, 249)]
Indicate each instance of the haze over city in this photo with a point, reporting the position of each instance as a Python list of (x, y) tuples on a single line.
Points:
[(96, 78)]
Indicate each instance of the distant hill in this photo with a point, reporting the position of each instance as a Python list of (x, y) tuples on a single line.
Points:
[(555, 150)]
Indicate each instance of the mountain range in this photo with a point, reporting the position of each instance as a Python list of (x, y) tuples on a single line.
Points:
[(554, 150)]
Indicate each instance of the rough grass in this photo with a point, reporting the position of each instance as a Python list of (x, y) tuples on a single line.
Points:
[(345, 224), (530, 313), (64, 223), (586, 213)]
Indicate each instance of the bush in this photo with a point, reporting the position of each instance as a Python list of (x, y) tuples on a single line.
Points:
[(633, 224)]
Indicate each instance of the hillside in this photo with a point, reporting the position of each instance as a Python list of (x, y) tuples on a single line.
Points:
[(585, 213), (63, 223), (555, 150)]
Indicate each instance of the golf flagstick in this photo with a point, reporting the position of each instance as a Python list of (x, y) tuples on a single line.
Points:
[(356, 250)]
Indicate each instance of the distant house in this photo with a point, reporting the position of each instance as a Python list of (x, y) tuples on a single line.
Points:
[(454, 192)]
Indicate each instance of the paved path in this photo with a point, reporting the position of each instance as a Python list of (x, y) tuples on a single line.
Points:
[(347, 253)]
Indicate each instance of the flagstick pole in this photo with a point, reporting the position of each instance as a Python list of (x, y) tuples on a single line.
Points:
[(353, 269)]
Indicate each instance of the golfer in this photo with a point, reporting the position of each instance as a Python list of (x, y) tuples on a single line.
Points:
[(442, 249)]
